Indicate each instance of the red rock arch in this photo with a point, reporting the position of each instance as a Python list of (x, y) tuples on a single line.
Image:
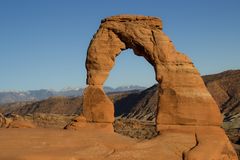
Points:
[(183, 100), (185, 108)]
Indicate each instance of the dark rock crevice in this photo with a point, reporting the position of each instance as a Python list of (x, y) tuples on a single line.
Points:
[(185, 153)]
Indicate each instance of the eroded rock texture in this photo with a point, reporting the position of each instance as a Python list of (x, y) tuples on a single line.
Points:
[(184, 106), (183, 97), (2, 120)]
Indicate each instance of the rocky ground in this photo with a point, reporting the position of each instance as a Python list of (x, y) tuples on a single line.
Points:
[(135, 128), (135, 110)]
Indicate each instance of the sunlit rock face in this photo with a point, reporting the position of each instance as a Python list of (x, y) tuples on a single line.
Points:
[(183, 97), (184, 105), (2, 120)]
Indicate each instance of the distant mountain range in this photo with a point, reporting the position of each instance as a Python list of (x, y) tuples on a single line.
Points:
[(36, 95)]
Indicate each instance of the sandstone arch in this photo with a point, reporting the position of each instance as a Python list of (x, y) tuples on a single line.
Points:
[(183, 100), (188, 117)]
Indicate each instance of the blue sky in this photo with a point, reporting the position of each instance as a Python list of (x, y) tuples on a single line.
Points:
[(43, 43)]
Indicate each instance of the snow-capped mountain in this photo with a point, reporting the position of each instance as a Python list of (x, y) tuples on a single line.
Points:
[(34, 95), (129, 88)]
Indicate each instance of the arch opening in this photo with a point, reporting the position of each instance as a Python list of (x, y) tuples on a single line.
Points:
[(131, 69), (136, 96)]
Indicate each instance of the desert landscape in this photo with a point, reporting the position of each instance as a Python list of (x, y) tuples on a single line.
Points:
[(40, 124), (104, 80), (174, 119), (39, 134)]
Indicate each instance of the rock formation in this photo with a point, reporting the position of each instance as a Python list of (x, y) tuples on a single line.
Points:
[(2, 120), (184, 104), (15, 121), (21, 124), (183, 97)]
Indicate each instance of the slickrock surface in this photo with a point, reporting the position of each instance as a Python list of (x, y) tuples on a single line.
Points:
[(91, 144)]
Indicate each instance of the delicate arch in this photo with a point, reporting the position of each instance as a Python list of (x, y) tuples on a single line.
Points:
[(183, 99)]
